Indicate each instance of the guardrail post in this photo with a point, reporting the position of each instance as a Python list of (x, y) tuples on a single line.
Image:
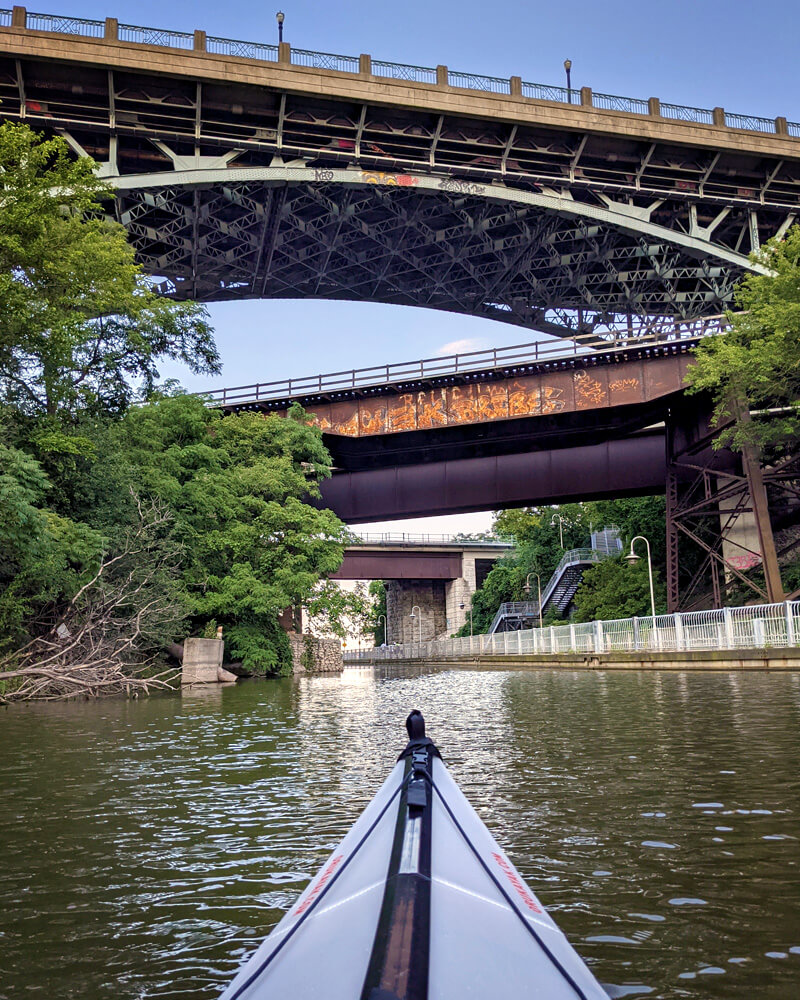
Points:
[(552, 639), (790, 636), (515, 86), (654, 107), (680, 639), (781, 126), (505, 643), (572, 642), (598, 638), (718, 116), (728, 618), (635, 632), (365, 64), (442, 78), (586, 96), (19, 17), (199, 43), (111, 30), (284, 52)]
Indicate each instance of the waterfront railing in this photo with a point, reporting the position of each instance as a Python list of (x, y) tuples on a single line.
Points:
[(111, 30), (760, 626)]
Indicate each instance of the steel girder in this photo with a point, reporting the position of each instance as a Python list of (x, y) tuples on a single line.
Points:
[(531, 259)]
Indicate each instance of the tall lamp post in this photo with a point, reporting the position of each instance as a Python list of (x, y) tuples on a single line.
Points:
[(568, 67), (631, 558), (280, 17), (527, 589), (561, 520), (385, 629), (462, 605), (412, 616)]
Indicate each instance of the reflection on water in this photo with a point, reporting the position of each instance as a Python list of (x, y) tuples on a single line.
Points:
[(147, 846)]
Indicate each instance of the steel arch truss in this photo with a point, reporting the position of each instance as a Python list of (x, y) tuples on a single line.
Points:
[(527, 258)]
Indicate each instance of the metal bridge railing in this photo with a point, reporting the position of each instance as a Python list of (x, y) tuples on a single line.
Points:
[(155, 36), (398, 71), (516, 357), (763, 626), (242, 50), (682, 113), (401, 71), (62, 25), (472, 81), (325, 60), (633, 105), (410, 538)]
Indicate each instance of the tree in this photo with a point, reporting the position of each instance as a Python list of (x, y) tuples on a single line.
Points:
[(756, 365), (43, 556), (80, 323), (377, 614), (612, 589), (238, 489)]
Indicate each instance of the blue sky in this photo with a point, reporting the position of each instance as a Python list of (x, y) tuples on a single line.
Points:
[(741, 56)]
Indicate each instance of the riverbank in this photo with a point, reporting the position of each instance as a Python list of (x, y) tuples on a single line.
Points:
[(715, 659)]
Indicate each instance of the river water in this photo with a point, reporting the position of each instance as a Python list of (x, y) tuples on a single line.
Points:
[(147, 846)]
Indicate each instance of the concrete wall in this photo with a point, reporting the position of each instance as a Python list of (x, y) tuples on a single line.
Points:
[(202, 662), (427, 600), (326, 654)]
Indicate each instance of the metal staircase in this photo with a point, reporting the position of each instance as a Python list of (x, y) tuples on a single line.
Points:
[(560, 589)]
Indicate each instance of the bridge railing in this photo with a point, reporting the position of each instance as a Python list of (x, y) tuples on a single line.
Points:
[(474, 361), (398, 71), (398, 538), (761, 626)]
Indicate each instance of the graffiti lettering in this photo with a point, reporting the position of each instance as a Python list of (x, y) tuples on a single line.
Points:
[(624, 384), (323, 175), (455, 186), (390, 180), (588, 390)]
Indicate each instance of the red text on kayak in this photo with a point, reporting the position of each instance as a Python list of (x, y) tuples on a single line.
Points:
[(323, 880), (519, 885)]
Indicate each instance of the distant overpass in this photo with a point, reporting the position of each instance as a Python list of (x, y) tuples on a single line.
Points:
[(434, 574)]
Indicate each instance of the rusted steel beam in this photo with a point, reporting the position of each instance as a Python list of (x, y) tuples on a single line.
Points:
[(626, 467)]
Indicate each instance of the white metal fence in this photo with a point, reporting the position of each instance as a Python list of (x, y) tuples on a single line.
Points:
[(756, 627)]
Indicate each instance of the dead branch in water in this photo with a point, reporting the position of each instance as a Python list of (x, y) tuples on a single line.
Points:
[(103, 642)]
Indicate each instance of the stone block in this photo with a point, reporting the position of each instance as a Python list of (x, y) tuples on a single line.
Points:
[(311, 654), (202, 661)]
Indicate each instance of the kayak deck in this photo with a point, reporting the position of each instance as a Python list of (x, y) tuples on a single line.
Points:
[(417, 901)]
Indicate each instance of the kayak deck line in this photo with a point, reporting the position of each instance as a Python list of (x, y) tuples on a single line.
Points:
[(434, 909)]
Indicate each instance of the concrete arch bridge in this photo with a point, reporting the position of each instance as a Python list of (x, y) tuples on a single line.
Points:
[(244, 170)]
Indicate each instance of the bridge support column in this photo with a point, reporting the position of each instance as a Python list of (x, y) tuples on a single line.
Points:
[(426, 600)]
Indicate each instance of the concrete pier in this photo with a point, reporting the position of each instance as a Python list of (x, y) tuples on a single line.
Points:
[(202, 662)]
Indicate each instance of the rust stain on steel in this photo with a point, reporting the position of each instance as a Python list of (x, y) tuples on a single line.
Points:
[(480, 402)]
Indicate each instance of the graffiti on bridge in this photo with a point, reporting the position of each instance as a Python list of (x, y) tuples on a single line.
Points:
[(536, 395)]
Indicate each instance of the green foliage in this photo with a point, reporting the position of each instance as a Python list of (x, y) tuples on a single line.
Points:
[(613, 589), (43, 556), (237, 488), (376, 622), (334, 610), (756, 365), (80, 322), (538, 551)]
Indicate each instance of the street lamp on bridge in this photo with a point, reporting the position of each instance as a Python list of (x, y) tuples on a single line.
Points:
[(561, 521), (385, 629), (462, 605), (631, 558), (568, 67), (280, 17)]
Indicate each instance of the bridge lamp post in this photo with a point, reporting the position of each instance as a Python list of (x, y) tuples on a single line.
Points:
[(412, 616), (280, 17), (462, 605), (385, 628), (561, 520), (631, 558), (568, 67), (527, 589)]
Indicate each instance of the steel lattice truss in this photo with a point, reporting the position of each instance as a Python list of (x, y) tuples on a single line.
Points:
[(468, 254), (232, 190)]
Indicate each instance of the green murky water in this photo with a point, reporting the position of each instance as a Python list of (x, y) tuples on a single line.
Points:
[(146, 847)]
